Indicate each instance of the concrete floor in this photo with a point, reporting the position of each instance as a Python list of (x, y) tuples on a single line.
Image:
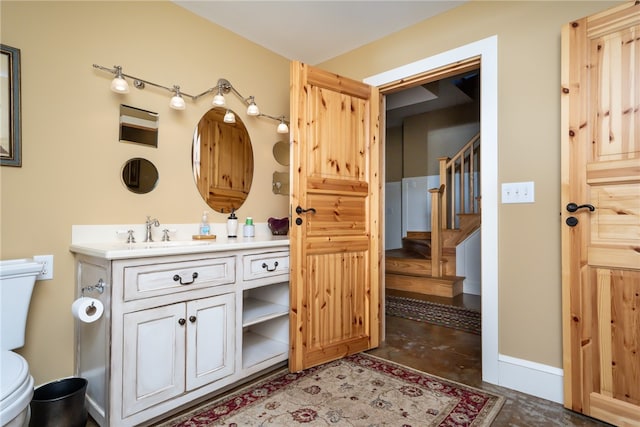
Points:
[(456, 355)]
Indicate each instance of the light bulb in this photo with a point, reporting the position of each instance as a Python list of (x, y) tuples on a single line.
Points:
[(282, 127), (252, 109), (119, 84), (177, 102), (229, 117), (219, 100)]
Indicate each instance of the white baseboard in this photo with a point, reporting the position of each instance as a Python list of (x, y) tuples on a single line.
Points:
[(531, 378), (472, 287)]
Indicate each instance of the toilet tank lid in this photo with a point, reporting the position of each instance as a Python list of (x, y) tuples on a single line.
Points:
[(23, 266)]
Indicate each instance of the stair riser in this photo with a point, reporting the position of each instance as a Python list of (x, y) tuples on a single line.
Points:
[(423, 285), (409, 266)]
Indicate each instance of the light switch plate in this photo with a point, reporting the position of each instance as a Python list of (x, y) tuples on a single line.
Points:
[(518, 192)]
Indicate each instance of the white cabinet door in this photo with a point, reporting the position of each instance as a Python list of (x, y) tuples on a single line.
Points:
[(154, 357), (210, 340)]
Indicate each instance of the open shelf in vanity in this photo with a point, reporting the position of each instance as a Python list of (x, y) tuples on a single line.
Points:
[(265, 325), (265, 310)]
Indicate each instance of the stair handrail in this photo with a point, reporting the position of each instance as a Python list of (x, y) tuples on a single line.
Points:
[(452, 172), (436, 230)]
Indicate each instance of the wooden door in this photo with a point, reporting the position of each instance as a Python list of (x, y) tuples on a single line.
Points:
[(601, 252), (336, 247)]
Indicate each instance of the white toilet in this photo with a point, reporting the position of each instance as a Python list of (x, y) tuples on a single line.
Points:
[(17, 279)]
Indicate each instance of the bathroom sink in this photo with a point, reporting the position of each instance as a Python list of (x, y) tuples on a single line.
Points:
[(170, 244)]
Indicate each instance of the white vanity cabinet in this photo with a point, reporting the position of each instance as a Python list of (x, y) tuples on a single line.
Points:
[(179, 327), (176, 348)]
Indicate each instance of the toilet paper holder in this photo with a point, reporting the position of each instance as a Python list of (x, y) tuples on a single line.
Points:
[(97, 287)]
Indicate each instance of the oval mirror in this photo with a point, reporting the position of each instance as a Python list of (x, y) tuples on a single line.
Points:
[(281, 152), (222, 159), (139, 175)]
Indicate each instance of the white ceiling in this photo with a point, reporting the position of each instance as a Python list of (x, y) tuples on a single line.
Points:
[(318, 30), (315, 31)]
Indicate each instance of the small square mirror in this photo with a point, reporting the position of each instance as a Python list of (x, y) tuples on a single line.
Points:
[(138, 126)]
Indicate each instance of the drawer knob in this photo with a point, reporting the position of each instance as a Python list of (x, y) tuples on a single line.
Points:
[(192, 319), (178, 278), (181, 321), (265, 266)]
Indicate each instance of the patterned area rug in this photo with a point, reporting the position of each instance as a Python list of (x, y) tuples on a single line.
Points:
[(431, 312), (360, 390)]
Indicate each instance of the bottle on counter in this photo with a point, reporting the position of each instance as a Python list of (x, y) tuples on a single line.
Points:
[(249, 229), (232, 224), (205, 229)]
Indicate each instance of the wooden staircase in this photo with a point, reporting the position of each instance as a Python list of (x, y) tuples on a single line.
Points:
[(426, 264)]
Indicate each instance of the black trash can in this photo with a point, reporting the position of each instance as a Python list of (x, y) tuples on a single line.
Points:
[(60, 404)]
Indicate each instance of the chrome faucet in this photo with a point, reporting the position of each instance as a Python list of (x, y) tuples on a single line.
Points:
[(150, 222)]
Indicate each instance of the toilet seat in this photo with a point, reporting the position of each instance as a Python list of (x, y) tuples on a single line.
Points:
[(16, 386)]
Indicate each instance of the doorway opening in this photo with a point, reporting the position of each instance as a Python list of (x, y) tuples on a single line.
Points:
[(481, 54), (433, 137)]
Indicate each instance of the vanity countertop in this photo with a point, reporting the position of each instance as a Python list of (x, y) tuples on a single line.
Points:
[(121, 250)]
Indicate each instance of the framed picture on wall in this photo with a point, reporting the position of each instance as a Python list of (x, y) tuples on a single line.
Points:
[(10, 131)]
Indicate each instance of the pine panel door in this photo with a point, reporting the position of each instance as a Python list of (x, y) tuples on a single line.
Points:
[(601, 214), (335, 242)]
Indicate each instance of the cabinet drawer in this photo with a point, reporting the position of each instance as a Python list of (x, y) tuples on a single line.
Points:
[(146, 281), (266, 266)]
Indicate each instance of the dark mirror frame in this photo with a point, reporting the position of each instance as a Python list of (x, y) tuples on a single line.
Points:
[(139, 175), (11, 153), (138, 126)]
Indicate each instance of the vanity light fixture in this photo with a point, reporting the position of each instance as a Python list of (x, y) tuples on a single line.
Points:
[(223, 86), (177, 102), (229, 117), (119, 84)]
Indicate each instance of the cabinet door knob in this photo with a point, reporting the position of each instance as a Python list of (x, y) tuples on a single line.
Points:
[(181, 321), (192, 319)]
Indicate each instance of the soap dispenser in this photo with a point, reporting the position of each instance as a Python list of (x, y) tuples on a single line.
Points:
[(204, 224), (232, 224), (249, 229)]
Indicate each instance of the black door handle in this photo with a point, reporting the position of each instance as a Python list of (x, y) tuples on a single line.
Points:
[(300, 210), (572, 207)]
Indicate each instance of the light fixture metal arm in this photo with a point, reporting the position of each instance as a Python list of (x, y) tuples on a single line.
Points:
[(223, 85), (277, 119)]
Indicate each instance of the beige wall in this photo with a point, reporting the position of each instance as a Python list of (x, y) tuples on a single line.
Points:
[(435, 134), (71, 157), (71, 154), (528, 144)]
